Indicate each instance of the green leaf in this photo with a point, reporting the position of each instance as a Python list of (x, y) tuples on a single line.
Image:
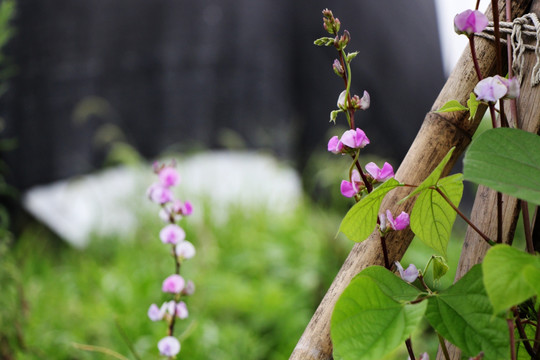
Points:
[(432, 179), (452, 105), (391, 284), (324, 41), (440, 267), (367, 324), (511, 276), (472, 103), (464, 316), (432, 217), (360, 220), (506, 160)]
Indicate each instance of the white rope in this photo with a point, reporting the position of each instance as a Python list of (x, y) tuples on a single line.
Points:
[(518, 29)]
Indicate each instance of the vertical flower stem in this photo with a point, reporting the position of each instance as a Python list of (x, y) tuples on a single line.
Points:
[(536, 346), (385, 252), (477, 5), (474, 57), (369, 187), (496, 32), (527, 226), (408, 343), (513, 105), (347, 78), (510, 324), (443, 347)]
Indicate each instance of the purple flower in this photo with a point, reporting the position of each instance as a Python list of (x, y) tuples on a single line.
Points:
[(189, 289), (173, 284), (185, 250), (380, 175), (363, 102), (424, 356), (355, 139), (335, 145), (490, 89), (341, 99), (400, 222), (187, 209), (154, 313), (159, 194), (172, 234), (181, 310), (470, 22), (408, 275), (169, 346), (512, 86), (168, 177), (349, 189)]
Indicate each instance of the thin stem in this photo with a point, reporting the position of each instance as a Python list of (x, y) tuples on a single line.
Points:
[(527, 226), (474, 57), (499, 218), (421, 278), (510, 324), (477, 5), (536, 345), (408, 343), (522, 334), (369, 187), (347, 78), (385, 252), (497, 34), (443, 347), (484, 236), (126, 340)]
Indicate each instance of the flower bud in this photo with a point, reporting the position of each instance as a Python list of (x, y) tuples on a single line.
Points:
[(185, 250), (410, 274), (338, 69), (189, 289)]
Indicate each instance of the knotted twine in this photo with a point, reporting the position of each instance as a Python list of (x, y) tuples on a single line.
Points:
[(518, 29)]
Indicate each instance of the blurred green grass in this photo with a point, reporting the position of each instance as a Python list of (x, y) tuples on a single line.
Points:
[(259, 277)]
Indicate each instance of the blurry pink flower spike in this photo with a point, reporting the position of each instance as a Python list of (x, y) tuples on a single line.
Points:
[(168, 177), (410, 274), (349, 189), (400, 222), (169, 346), (173, 284), (470, 22), (159, 194), (380, 175), (355, 139), (335, 145), (172, 234)]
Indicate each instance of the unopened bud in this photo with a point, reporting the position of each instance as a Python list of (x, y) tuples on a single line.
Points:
[(338, 69)]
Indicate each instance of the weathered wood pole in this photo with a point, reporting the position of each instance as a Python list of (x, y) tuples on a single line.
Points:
[(438, 134), (484, 211)]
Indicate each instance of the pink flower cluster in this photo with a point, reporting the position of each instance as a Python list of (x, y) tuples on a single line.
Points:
[(172, 211)]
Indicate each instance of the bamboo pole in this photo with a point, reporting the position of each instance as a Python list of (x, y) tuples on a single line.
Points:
[(484, 214), (438, 134)]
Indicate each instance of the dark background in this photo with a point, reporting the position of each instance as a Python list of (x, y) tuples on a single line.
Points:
[(186, 75)]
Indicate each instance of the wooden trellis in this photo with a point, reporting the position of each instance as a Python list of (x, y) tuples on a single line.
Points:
[(439, 133)]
